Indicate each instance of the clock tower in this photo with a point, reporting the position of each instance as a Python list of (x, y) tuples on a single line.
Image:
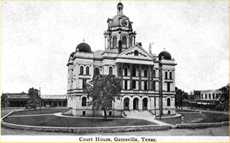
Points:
[(119, 35)]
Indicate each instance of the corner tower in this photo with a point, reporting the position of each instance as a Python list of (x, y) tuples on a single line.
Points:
[(119, 35)]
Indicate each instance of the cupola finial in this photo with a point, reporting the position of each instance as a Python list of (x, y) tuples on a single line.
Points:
[(120, 8)]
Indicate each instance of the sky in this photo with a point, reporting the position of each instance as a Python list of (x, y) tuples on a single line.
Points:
[(37, 38)]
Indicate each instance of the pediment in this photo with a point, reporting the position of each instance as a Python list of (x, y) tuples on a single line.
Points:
[(135, 53)]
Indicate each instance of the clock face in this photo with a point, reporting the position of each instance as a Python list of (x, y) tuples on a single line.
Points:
[(124, 22)]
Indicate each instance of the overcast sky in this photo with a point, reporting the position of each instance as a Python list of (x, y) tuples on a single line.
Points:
[(38, 37)]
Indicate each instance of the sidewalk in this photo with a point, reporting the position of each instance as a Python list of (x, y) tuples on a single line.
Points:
[(145, 115)]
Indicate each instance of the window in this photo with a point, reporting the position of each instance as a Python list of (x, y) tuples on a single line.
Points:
[(81, 70), (114, 41), (213, 96), (126, 71), (136, 53), (170, 75), (154, 73), (154, 85), (145, 73), (133, 84), (134, 71), (83, 101), (209, 96), (96, 71), (166, 75), (87, 70), (110, 113), (168, 102), (84, 83), (110, 70), (168, 86), (124, 42), (83, 113), (126, 84), (169, 112), (145, 85)]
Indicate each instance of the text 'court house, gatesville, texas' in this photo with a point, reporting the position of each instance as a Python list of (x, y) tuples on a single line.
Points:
[(148, 80)]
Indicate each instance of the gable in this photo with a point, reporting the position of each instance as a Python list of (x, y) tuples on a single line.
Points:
[(135, 53)]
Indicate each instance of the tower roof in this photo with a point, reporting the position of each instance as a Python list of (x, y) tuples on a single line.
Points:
[(165, 55), (83, 47)]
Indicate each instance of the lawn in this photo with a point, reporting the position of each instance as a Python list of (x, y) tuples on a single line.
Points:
[(40, 111), (52, 120), (198, 117)]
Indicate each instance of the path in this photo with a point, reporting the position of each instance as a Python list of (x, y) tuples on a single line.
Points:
[(145, 115)]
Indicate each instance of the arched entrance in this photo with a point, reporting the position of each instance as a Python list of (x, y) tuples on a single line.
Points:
[(145, 104), (126, 103), (135, 104)]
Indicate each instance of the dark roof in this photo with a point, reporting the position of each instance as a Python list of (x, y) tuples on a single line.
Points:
[(165, 55), (83, 47)]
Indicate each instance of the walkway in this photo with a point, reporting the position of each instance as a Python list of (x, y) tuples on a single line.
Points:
[(145, 115)]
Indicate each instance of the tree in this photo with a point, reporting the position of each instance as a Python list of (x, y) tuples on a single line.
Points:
[(102, 90), (34, 99), (223, 102), (181, 97)]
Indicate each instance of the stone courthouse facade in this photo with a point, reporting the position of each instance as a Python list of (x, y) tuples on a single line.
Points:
[(148, 80)]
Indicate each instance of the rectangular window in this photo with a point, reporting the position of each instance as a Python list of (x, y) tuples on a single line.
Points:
[(154, 85), (168, 86), (133, 84), (145, 73), (145, 85), (134, 71), (126, 84), (154, 73), (84, 83), (170, 75)]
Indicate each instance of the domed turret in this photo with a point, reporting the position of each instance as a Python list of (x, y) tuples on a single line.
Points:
[(83, 47), (165, 55)]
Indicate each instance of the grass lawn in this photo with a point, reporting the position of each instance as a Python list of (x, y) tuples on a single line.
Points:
[(213, 117), (51, 120), (40, 111), (198, 117)]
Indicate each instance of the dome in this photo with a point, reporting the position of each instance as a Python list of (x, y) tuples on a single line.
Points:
[(116, 20), (165, 55), (83, 47)]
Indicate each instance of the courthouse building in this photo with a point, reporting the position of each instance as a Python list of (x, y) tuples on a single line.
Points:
[(145, 76)]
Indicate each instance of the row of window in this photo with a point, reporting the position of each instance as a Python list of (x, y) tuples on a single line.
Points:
[(96, 70), (123, 41), (145, 87), (209, 96), (134, 72), (84, 102), (168, 75), (82, 70)]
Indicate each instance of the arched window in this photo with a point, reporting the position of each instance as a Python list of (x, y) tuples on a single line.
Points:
[(124, 41), (96, 71), (87, 70), (166, 75), (136, 53), (81, 70), (83, 101), (114, 41), (110, 70), (168, 102)]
